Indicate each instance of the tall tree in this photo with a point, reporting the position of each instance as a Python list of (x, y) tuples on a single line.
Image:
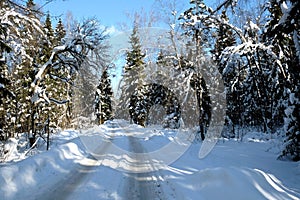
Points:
[(103, 99), (133, 70), (83, 49), (195, 27), (283, 33), (25, 33), (5, 94), (60, 32)]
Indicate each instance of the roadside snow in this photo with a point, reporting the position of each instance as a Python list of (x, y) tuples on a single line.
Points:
[(233, 170), (36, 174)]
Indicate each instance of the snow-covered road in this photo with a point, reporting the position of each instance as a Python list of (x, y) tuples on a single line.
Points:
[(86, 167), (130, 186), (142, 185), (68, 184)]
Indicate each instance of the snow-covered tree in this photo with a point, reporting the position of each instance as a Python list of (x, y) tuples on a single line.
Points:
[(21, 36), (5, 94), (103, 99), (60, 32), (196, 27), (283, 33), (133, 73), (134, 58), (223, 38), (54, 83)]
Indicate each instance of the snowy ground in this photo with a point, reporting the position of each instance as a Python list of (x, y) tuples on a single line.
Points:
[(233, 170)]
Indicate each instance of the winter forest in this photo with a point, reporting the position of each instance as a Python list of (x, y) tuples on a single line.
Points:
[(59, 76)]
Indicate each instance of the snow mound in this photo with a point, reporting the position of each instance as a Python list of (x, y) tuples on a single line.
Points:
[(41, 171), (235, 183)]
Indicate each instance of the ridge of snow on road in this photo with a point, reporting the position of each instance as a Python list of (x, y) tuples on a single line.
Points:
[(233, 170)]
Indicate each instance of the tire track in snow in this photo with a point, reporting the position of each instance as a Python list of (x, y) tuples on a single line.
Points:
[(142, 185), (79, 173)]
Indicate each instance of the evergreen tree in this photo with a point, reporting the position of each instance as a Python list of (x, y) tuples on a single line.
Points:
[(5, 94), (133, 71), (283, 33), (134, 58), (69, 61), (25, 37), (197, 28), (224, 38), (30, 5), (60, 32), (48, 42), (52, 83), (103, 102), (65, 91)]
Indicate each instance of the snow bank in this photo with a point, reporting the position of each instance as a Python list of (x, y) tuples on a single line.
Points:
[(34, 175), (236, 170), (234, 183)]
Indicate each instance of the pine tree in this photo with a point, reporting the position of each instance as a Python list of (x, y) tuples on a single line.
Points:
[(224, 38), (64, 91), (5, 94), (283, 33), (134, 58), (48, 43), (30, 4), (52, 83), (60, 32), (133, 71), (103, 102), (196, 28), (28, 36)]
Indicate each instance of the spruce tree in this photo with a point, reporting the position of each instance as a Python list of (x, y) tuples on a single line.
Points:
[(24, 71), (133, 71), (103, 99), (60, 32), (134, 58), (30, 5), (5, 94), (224, 38), (49, 40), (283, 33), (65, 90), (196, 27)]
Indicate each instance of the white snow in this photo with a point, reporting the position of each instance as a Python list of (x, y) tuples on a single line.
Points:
[(253, 26), (285, 12), (297, 43), (233, 169)]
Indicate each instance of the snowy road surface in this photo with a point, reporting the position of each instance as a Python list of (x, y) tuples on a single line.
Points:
[(130, 186), (233, 170), (142, 185)]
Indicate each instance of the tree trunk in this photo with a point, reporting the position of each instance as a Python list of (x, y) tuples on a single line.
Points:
[(32, 131), (48, 133)]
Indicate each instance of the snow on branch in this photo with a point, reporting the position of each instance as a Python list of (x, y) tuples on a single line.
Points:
[(247, 49), (12, 18), (289, 18), (84, 40)]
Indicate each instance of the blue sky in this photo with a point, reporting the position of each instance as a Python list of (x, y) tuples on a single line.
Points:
[(109, 12)]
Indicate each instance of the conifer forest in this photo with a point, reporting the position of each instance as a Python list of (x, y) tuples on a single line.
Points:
[(56, 73)]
